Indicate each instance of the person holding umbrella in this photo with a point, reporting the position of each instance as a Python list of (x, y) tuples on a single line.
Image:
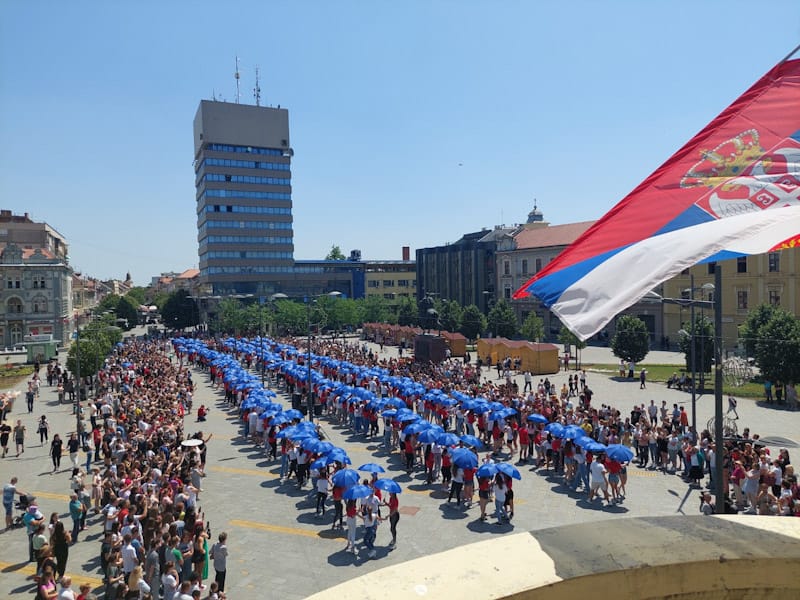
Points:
[(351, 511), (500, 491)]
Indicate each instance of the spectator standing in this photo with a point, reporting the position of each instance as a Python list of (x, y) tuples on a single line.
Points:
[(219, 556)]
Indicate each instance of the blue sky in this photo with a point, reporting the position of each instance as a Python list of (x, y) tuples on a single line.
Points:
[(412, 122)]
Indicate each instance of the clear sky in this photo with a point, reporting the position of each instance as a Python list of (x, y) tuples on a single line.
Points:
[(412, 122)]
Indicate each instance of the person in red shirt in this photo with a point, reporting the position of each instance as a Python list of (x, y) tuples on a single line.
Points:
[(484, 486), (394, 517), (351, 512), (337, 506), (469, 484), (523, 444), (613, 468)]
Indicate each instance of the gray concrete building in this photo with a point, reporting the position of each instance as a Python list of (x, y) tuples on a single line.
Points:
[(242, 161)]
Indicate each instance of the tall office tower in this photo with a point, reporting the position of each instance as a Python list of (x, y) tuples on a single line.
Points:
[(244, 197)]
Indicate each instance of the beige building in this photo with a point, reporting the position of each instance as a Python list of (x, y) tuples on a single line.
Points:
[(747, 282), (390, 279)]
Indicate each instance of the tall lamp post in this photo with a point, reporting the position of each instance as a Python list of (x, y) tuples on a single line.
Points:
[(310, 400), (719, 439), (78, 377), (690, 302), (309, 300)]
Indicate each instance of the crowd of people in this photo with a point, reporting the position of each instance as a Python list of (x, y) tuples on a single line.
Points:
[(659, 437), (134, 472), (140, 484)]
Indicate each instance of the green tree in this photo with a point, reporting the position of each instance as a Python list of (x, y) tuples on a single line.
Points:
[(94, 344), (450, 315), (532, 328), (291, 317), (407, 311), (127, 313), (375, 310), (335, 254), (160, 299), (180, 310), (138, 295), (777, 349), (631, 341), (749, 330), (502, 320), (107, 304), (473, 322)]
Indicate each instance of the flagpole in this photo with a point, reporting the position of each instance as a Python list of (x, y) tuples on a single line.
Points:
[(792, 53)]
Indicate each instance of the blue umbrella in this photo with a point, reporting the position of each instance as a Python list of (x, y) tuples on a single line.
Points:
[(583, 441), (356, 492), (320, 463), (293, 413), (429, 436), (573, 432), (472, 441), (388, 485), (345, 478), (557, 429), (372, 468), (487, 470), (594, 446), (619, 453), (389, 413), (464, 458), (338, 455), (448, 439), (510, 470), (537, 418)]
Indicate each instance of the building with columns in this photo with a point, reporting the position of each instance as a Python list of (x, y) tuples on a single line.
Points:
[(36, 292)]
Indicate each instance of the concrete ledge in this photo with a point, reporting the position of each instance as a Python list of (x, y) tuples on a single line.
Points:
[(643, 558)]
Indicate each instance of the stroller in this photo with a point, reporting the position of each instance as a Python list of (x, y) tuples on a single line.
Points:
[(23, 504)]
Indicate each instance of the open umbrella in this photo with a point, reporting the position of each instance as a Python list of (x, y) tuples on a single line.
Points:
[(487, 470), (472, 441), (573, 432), (388, 485), (510, 470), (338, 455), (594, 446), (429, 436), (537, 418), (371, 468), (464, 458), (345, 478), (448, 439), (619, 453), (191, 443), (356, 492)]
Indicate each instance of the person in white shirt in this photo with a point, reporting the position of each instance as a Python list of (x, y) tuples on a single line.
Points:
[(130, 559), (323, 485), (597, 479)]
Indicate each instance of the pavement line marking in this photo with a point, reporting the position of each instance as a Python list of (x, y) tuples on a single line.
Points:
[(281, 529), (30, 569), (258, 473), (51, 496)]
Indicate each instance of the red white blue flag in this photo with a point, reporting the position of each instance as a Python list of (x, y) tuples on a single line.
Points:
[(732, 190)]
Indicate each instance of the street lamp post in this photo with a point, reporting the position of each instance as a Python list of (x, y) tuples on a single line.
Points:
[(78, 377), (719, 439), (310, 391), (691, 303)]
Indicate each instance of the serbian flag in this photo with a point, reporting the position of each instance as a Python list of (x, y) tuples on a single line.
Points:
[(732, 190)]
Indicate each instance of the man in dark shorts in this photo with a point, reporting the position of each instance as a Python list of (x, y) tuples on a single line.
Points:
[(5, 432)]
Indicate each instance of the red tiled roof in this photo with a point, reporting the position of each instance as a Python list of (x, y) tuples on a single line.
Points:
[(28, 252), (553, 235), (189, 274)]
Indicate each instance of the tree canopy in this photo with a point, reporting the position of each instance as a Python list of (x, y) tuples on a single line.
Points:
[(631, 341), (473, 322), (502, 320), (180, 310), (777, 344), (335, 254), (532, 328)]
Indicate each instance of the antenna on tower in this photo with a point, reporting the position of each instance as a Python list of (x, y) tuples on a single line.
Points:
[(257, 90), (236, 76)]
